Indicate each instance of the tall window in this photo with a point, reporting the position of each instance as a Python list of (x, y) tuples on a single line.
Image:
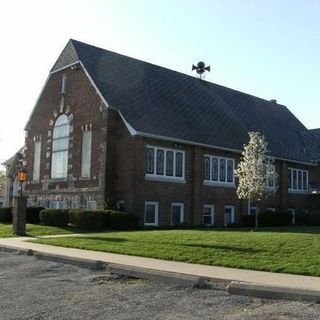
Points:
[(165, 163), (297, 180), (218, 170), (60, 146), (36, 161), (86, 153)]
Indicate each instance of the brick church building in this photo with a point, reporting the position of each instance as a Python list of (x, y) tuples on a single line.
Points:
[(109, 129)]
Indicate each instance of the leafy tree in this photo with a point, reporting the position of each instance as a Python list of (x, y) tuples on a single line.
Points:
[(255, 172)]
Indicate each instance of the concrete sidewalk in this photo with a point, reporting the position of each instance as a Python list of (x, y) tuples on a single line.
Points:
[(206, 272)]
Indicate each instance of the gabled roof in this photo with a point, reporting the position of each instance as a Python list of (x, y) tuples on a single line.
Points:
[(159, 102), (311, 139)]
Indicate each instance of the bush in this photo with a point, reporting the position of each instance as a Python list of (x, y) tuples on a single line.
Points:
[(6, 214), (268, 219), (122, 220), (313, 218), (275, 219), (54, 217), (248, 220), (95, 219), (33, 214)]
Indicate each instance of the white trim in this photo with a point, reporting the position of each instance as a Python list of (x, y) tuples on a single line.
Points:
[(188, 142), (232, 214), (151, 177), (181, 206), (65, 67), (212, 209), (156, 213), (164, 176), (37, 101), (296, 190), (131, 130), (272, 209), (219, 183), (94, 85)]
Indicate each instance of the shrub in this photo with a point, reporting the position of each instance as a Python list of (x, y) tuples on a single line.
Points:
[(95, 219), (33, 214), (123, 220), (54, 217), (312, 218), (6, 214), (268, 219), (275, 219), (248, 220)]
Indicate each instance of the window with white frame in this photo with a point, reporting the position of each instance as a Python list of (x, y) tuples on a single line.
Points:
[(120, 205), (56, 204), (36, 161), (165, 163), (75, 204), (151, 213), (228, 215), (91, 205), (208, 215), (253, 210), (86, 153), (177, 213), (60, 147), (218, 170), (272, 181), (297, 180)]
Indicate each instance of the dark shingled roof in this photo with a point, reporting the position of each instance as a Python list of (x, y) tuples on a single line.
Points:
[(311, 139), (155, 100)]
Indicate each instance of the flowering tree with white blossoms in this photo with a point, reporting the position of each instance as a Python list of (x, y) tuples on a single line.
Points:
[(255, 172)]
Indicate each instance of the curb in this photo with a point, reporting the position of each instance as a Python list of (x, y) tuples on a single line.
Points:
[(80, 262), (156, 275), (273, 292), (6, 248)]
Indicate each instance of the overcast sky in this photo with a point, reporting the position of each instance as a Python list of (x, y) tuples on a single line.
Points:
[(270, 49)]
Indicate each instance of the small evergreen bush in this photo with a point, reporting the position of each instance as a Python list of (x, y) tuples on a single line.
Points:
[(123, 220), (6, 214), (95, 219), (33, 214), (54, 217)]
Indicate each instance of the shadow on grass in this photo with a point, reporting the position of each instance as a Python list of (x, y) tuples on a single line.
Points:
[(105, 239), (222, 247)]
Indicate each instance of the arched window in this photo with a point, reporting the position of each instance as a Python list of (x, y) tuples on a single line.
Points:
[(60, 146)]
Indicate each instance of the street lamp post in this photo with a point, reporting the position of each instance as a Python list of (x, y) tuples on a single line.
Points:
[(20, 207)]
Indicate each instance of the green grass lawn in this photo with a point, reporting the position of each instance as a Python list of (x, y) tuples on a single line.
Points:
[(35, 230), (291, 250)]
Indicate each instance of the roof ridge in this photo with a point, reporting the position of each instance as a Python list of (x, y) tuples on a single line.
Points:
[(175, 71)]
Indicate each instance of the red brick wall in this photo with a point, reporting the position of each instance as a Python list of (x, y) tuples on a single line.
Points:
[(83, 106)]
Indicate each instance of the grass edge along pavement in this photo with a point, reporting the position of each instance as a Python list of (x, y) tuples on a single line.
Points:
[(38, 230), (283, 250)]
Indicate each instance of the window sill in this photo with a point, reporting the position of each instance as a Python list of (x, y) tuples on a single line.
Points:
[(84, 178), (151, 224), (57, 180), (165, 179), (218, 184), (298, 191)]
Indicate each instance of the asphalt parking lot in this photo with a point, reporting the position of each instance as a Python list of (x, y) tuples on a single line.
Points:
[(36, 289)]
